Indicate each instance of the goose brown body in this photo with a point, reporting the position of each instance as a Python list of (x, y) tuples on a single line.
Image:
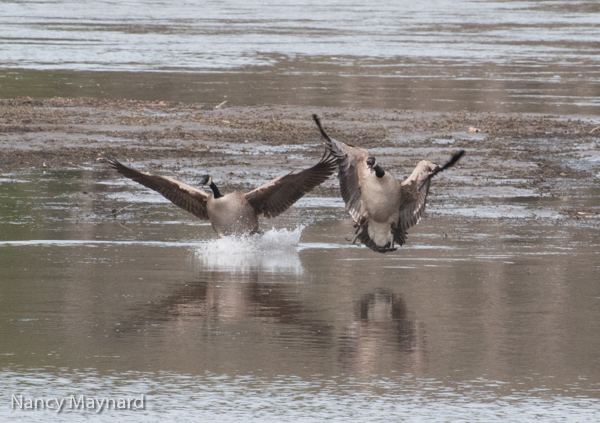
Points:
[(382, 207), (231, 214), (235, 213)]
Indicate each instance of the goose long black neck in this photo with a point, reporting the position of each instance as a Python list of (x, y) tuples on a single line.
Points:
[(215, 190), (379, 172)]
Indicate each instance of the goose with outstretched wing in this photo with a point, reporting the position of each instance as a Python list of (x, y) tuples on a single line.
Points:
[(382, 207), (235, 213)]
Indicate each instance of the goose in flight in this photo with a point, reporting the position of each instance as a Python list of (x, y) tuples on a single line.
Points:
[(382, 207), (235, 213)]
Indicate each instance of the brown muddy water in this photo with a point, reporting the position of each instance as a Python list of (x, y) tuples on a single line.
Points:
[(490, 312)]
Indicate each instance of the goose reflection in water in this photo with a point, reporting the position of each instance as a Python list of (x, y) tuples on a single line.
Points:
[(380, 327), (224, 299)]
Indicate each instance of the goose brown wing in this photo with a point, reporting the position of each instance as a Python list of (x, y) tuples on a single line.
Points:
[(413, 195), (278, 195), (352, 162), (185, 196)]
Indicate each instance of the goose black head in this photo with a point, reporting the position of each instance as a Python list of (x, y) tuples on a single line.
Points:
[(207, 180), (371, 164)]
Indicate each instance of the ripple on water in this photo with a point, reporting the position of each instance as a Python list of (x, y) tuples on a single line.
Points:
[(233, 398)]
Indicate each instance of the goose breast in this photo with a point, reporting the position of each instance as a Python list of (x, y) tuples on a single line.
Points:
[(380, 199), (232, 214)]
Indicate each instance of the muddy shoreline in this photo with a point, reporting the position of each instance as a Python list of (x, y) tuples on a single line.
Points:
[(543, 155)]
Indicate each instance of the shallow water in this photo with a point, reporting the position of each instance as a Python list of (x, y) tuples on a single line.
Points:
[(501, 56), (476, 318)]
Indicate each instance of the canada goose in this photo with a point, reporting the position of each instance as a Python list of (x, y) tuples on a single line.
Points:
[(382, 207), (236, 212)]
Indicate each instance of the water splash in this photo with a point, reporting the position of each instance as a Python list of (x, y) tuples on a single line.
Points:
[(271, 240), (275, 250)]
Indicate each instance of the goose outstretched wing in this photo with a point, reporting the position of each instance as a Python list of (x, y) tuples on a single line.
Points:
[(185, 196), (352, 162), (413, 195), (277, 196)]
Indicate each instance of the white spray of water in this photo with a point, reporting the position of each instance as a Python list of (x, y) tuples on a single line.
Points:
[(274, 250)]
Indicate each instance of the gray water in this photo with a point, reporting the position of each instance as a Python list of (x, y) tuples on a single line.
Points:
[(475, 319), (524, 56)]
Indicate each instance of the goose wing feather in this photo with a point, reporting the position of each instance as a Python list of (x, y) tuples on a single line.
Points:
[(412, 203), (277, 196), (413, 195), (185, 196), (352, 162)]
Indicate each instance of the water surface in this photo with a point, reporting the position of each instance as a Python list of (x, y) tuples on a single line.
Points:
[(502, 56), (476, 318)]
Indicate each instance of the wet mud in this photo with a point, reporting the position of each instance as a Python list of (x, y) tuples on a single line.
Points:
[(508, 155)]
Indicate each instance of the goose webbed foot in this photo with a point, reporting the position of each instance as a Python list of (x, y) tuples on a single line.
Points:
[(358, 233), (352, 239)]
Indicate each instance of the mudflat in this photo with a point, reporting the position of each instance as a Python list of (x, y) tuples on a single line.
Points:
[(508, 155)]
